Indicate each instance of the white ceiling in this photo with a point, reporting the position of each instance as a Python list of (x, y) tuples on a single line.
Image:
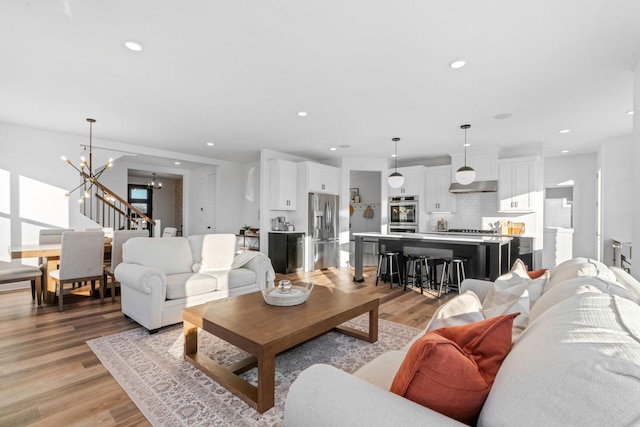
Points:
[(237, 72)]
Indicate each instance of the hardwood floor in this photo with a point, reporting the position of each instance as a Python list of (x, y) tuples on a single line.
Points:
[(49, 376)]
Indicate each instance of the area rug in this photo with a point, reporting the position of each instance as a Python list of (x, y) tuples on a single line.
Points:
[(169, 391)]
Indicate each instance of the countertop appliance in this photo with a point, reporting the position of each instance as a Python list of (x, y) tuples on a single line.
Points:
[(323, 247), (403, 212)]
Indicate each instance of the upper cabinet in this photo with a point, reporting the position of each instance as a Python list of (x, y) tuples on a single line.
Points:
[(321, 178), (485, 165), (284, 179), (413, 182), (517, 184), (438, 197)]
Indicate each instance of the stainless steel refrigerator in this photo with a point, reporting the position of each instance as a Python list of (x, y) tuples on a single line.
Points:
[(323, 231)]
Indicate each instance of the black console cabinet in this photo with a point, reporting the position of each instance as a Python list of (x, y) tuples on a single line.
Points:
[(286, 251)]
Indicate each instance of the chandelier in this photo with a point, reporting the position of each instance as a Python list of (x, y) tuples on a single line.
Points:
[(88, 175), (154, 185)]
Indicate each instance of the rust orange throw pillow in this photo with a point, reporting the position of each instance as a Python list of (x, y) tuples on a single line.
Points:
[(537, 273), (451, 370)]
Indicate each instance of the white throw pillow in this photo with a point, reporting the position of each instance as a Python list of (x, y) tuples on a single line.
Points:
[(517, 275), (461, 310), (504, 298), (627, 280)]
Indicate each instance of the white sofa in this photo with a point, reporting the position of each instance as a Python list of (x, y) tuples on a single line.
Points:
[(577, 363), (160, 276)]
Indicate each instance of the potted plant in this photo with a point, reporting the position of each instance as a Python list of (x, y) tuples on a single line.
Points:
[(244, 229)]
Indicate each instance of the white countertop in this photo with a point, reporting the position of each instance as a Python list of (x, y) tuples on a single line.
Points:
[(444, 237), (286, 232)]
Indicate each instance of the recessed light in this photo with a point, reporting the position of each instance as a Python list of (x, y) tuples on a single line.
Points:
[(333, 148), (457, 64), (210, 144), (502, 116), (630, 113), (564, 151), (136, 47), (393, 155), (466, 145), (176, 163), (564, 131), (302, 113)]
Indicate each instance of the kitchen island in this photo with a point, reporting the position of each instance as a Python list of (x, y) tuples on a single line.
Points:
[(488, 256)]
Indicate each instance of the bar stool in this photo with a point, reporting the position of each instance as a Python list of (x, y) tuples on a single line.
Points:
[(447, 271), (417, 266), (387, 259)]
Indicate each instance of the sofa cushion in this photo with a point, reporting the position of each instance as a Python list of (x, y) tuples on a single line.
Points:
[(213, 251), (230, 279), (577, 364), (579, 267), (170, 255), (575, 286), (184, 285), (627, 280), (451, 370)]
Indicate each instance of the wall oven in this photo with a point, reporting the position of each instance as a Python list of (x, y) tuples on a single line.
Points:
[(403, 212), (403, 229)]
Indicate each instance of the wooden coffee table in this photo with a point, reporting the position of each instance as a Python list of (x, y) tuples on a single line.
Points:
[(263, 331)]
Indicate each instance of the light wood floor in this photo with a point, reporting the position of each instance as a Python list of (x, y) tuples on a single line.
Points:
[(50, 377)]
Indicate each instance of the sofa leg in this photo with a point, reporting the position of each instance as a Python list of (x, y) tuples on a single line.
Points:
[(153, 331), (126, 317)]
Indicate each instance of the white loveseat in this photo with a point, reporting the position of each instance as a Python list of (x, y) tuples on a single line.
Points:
[(161, 276), (577, 363)]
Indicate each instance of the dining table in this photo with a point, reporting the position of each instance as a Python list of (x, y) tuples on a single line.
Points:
[(50, 254)]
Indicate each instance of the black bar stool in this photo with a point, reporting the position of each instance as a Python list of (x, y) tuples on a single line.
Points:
[(447, 272), (417, 266), (387, 259)]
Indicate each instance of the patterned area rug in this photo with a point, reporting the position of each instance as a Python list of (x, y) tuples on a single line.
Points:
[(171, 392)]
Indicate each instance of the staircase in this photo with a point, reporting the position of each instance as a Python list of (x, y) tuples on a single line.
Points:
[(110, 210)]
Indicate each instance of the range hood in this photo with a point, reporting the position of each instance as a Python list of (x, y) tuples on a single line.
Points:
[(474, 187)]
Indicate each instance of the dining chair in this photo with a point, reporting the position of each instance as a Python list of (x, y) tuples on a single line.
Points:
[(119, 237), (81, 259), (12, 273), (169, 232)]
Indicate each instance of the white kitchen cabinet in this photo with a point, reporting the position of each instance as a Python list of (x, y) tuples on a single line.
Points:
[(413, 182), (438, 198), (322, 178), (485, 165), (517, 184), (284, 179)]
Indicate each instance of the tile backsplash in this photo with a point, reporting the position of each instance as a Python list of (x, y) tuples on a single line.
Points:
[(477, 211)]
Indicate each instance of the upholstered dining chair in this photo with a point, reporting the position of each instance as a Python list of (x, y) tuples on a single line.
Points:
[(81, 259), (12, 273), (169, 232), (119, 237)]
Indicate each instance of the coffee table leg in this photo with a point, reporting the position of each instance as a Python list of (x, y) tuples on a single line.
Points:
[(266, 383), (190, 338), (373, 324)]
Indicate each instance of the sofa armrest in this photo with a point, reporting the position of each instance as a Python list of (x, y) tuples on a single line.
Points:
[(261, 265), (142, 279), (478, 287), (326, 396)]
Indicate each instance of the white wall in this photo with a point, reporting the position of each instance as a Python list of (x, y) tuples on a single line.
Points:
[(617, 171), (635, 186), (581, 169)]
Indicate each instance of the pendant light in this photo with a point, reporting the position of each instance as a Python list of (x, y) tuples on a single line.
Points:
[(465, 175), (396, 179)]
